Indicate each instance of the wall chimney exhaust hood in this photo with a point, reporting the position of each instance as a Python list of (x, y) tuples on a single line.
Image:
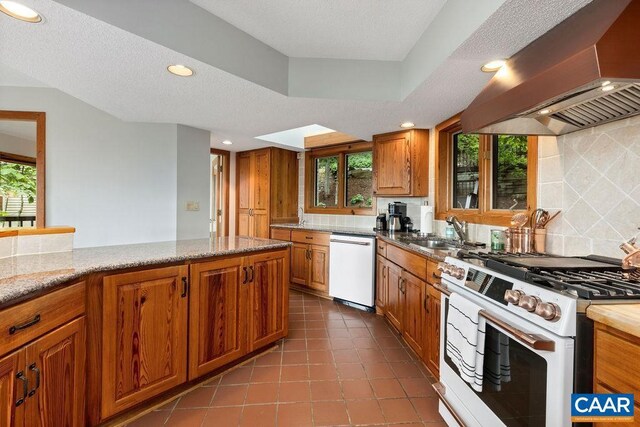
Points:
[(582, 73)]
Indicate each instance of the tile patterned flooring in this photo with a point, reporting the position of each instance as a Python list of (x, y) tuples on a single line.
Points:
[(338, 366)]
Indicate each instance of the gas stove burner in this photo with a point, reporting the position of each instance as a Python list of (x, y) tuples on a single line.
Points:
[(590, 277)]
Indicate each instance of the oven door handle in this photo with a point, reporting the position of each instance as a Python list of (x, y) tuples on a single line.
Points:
[(536, 342)]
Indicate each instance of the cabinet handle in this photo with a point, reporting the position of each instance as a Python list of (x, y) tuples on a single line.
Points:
[(35, 369), (252, 273), (25, 387), (246, 275), (402, 289), (384, 272), (308, 237), (307, 254), (435, 276), (381, 248), (16, 328), (185, 287), (426, 297)]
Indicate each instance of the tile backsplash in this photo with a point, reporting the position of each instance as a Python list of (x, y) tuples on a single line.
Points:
[(593, 176)]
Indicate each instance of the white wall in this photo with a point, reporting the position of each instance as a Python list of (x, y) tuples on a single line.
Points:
[(20, 146), (193, 183), (114, 181), (232, 195)]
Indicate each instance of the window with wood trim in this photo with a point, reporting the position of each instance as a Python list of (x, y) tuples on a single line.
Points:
[(484, 179), (339, 180)]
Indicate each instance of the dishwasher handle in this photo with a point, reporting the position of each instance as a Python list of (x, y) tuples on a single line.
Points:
[(350, 242)]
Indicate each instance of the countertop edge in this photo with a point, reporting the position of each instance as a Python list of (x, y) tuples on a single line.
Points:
[(616, 317), (34, 287)]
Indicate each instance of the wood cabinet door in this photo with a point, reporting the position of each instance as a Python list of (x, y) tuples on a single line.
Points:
[(300, 263), (56, 366), (319, 268), (244, 223), (394, 296), (216, 315), (260, 220), (260, 180), (381, 283), (12, 391), (144, 335), (432, 351), (392, 164), (413, 315), (243, 167), (268, 299)]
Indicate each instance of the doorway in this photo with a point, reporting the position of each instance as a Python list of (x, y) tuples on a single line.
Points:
[(219, 216)]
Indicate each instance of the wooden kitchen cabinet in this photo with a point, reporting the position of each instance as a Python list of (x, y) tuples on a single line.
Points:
[(237, 305), (12, 380), (267, 190), (216, 315), (144, 335), (56, 367), (268, 299), (300, 263), (413, 311), (395, 304), (381, 284), (432, 333), (319, 268), (310, 260), (401, 163)]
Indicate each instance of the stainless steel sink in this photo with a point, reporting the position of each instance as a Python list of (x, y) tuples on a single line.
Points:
[(433, 244)]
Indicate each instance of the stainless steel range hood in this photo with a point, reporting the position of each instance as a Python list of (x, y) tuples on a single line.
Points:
[(582, 73)]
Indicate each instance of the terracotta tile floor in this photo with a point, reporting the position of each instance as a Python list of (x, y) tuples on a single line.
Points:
[(338, 366)]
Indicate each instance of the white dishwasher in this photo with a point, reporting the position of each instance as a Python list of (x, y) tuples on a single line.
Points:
[(351, 269)]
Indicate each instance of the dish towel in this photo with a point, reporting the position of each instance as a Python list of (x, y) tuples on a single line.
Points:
[(465, 339), (497, 364)]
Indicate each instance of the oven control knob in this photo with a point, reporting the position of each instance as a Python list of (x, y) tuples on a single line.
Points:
[(529, 302), (548, 311), (457, 273), (513, 296)]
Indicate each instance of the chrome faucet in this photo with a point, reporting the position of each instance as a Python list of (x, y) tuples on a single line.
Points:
[(301, 216), (460, 227)]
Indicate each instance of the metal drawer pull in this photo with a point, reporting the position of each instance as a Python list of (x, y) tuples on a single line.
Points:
[(25, 387), (441, 391), (308, 237), (349, 242), (536, 342), (35, 369), (435, 276), (252, 273), (185, 287), (246, 275), (16, 328)]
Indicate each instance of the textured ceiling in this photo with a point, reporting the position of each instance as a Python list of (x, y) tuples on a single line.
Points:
[(125, 75), (353, 29)]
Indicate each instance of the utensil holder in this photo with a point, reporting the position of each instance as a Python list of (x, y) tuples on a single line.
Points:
[(540, 240)]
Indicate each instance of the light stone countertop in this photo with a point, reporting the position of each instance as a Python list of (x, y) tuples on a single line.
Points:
[(21, 276)]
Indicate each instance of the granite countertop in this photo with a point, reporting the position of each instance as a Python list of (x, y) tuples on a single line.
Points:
[(23, 275), (624, 317), (358, 231)]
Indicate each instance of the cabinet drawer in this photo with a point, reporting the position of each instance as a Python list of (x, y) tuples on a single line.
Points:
[(313, 237), (433, 275), (281, 234), (22, 323), (414, 264), (381, 248), (621, 375)]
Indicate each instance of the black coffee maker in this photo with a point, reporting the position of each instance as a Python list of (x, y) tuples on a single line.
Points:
[(398, 215)]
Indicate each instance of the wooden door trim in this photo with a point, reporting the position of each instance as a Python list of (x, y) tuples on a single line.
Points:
[(226, 177), (41, 119)]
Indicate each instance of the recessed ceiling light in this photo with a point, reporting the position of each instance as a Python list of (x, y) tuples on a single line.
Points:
[(180, 70), (545, 111), (492, 66), (607, 88), (227, 142), (605, 83), (19, 11), (407, 125)]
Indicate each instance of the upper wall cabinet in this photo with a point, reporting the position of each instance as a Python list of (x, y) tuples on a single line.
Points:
[(267, 182), (401, 163)]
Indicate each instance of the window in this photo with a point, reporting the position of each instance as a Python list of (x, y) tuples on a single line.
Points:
[(339, 180), (484, 178)]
